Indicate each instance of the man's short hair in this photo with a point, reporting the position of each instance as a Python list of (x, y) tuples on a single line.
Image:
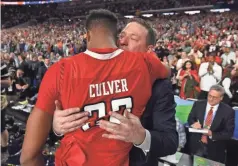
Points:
[(213, 54), (218, 88), (152, 35), (102, 18)]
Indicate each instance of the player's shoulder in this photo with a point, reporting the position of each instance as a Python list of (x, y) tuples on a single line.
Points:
[(141, 55), (132, 53), (71, 59)]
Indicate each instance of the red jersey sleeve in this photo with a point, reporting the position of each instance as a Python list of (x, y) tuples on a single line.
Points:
[(156, 68), (48, 92)]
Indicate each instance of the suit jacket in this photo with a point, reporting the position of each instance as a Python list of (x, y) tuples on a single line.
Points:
[(40, 73), (159, 119), (222, 129)]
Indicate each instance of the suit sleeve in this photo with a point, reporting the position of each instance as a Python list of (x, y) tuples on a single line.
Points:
[(192, 117), (164, 137), (48, 92), (159, 120), (228, 130), (156, 68)]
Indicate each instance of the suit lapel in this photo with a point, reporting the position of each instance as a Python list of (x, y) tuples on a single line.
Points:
[(202, 113)]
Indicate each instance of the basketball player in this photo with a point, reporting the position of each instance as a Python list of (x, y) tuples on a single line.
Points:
[(101, 79)]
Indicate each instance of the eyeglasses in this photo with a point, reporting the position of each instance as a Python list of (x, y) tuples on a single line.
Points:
[(213, 97)]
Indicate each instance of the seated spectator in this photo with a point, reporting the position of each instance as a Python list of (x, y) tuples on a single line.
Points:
[(190, 81), (22, 84), (215, 117)]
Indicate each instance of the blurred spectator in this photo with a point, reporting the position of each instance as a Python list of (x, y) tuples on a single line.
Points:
[(226, 83), (23, 84), (190, 81), (229, 57), (23, 64), (210, 73), (181, 61), (42, 70)]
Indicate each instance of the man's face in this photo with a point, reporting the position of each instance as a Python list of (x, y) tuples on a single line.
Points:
[(133, 38), (183, 55), (211, 59), (20, 73), (40, 58), (213, 40), (47, 62), (214, 97), (226, 49)]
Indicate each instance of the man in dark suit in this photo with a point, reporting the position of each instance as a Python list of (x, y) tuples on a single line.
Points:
[(159, 119), (156, 130), (218, 119)]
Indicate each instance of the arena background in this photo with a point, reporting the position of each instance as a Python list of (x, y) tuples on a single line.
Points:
[(54, 29)]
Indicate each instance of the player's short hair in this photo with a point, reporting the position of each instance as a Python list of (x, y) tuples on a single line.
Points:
[(152, 34), (102, 18)]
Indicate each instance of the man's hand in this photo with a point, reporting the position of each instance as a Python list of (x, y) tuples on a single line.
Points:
[(68, 120), (18, 87), (210, 68), (129, 129), (197, 125), (209, 132), (25, 86)]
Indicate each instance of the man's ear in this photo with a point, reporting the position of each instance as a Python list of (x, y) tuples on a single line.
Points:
[(88, 36), (150, 48)]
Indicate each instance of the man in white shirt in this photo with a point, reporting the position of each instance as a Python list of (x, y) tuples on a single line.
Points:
[(228, 55), (210, 73)]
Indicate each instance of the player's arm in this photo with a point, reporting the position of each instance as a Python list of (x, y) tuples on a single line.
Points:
[(156, 68), (40, 120), (37, 130)]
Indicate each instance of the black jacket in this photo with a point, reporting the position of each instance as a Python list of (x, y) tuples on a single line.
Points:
[(222, 129), (159, 119)]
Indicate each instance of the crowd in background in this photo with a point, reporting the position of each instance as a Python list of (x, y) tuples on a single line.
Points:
[(15, 15), (184, 43), (201, 49)]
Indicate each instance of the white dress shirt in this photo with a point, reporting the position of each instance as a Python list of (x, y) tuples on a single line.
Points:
[(207, 79), (145, 146), (215, 107)]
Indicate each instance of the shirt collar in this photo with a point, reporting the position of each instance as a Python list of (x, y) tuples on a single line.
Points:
[(215, 107)]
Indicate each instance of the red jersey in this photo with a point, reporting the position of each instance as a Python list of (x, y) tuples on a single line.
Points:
[(98, 82)]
